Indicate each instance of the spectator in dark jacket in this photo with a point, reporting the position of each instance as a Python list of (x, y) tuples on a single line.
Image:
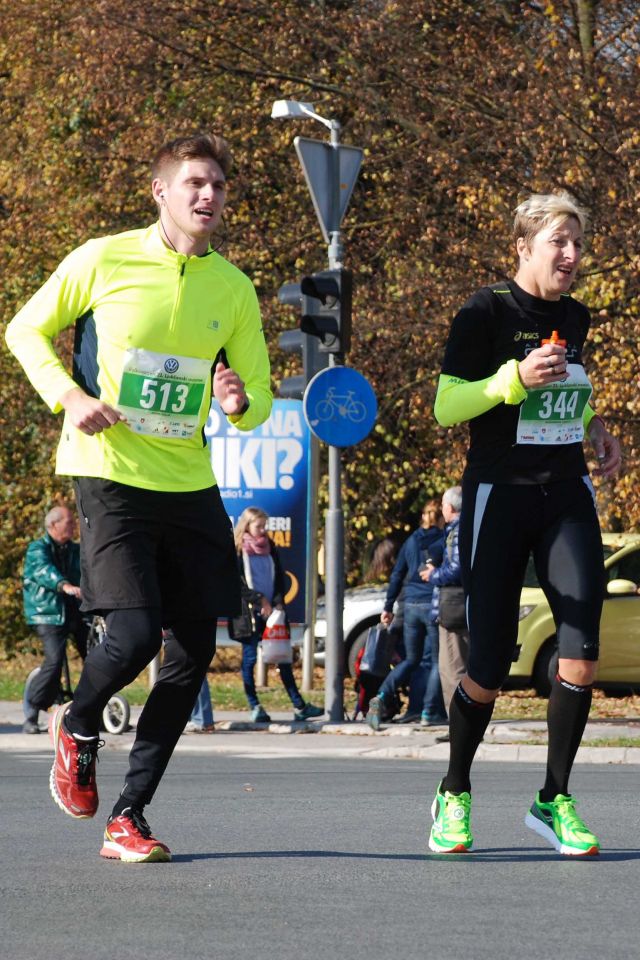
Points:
[(414, 553), (454, 643), (51, 594)]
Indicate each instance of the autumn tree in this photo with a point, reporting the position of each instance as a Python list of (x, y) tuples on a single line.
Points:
[(462, 108)]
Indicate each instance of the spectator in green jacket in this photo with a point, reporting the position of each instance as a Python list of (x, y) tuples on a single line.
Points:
[(51, 594)]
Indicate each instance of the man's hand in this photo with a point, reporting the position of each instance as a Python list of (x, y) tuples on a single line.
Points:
[(386, 618), (228, 389), (71, 591), (89, 414), (546, 364), (606, 447), (426, 571)]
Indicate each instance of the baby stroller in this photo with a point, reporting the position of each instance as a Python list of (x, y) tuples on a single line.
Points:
[(116, 714)]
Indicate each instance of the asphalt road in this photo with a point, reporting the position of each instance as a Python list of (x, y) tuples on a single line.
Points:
[(283, 859)]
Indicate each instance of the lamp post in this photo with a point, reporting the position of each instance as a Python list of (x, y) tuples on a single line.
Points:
[(334, 520)]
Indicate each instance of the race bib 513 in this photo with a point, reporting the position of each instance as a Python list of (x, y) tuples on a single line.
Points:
[(162, 394)]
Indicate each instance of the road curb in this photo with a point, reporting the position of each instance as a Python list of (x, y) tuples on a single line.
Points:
[(271, 744)]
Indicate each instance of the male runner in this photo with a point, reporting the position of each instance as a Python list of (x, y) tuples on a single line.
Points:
[(152, 310)]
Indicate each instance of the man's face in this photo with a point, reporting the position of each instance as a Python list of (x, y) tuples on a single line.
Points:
[(63, 529), (447, 512), (193, 196)]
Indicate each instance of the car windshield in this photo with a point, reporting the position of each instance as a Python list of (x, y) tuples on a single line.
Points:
[(530, 578)]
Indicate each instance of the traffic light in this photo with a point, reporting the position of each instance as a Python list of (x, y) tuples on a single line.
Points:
[(326, 312), (295, 341)]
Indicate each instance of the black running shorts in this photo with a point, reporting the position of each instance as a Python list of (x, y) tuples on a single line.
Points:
[(501, 525), (148, 548)]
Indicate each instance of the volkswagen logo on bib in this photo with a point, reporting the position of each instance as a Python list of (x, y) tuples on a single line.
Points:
[(171, 365)]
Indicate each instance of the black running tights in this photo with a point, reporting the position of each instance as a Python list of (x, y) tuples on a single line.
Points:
[(133, 638)]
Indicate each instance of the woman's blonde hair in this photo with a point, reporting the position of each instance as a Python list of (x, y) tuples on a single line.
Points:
[(542, 210), (245, 519)]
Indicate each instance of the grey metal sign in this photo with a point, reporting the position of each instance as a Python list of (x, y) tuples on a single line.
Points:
[(317, 160)]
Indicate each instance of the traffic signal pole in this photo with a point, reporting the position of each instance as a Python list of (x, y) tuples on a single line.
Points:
[(334, 521)]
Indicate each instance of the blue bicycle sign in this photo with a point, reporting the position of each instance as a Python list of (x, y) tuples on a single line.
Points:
[(340, 406)]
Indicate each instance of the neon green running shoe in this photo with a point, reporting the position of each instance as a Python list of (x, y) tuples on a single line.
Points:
[(451, 832), (559, 824)]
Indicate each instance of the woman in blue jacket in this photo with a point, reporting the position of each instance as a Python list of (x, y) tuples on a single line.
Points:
[(418, 628)]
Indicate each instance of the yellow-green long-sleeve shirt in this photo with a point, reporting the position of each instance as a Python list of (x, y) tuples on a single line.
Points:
[(150, 323)]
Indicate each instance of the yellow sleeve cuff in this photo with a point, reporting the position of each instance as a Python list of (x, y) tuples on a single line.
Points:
[(460, 400)]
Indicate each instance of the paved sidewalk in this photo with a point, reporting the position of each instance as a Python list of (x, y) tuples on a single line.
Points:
[(506, 740)]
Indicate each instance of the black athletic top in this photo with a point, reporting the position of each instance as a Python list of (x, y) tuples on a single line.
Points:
[(498, 324)]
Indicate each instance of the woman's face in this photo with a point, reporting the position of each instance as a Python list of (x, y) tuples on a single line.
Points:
[(550, 262), (257, 527)]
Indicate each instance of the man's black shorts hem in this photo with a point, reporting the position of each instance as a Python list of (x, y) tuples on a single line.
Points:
[(147, 548)]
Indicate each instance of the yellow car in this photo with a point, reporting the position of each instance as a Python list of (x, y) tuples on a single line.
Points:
[(619, 668)]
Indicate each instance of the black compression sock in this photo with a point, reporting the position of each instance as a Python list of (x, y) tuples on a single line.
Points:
[(125, 803), (77, 728), (468, 721), (567, 716)]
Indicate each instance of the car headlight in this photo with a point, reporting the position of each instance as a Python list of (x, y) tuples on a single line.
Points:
[(525, 611)]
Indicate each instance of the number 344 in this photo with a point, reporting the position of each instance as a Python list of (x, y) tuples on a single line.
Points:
[(562, 404)]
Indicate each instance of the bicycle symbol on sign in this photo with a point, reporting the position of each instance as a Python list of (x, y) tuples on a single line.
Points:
[(340, 405)]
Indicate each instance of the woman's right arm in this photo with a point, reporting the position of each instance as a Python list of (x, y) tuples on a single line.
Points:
[(465, 390), (459, 400)]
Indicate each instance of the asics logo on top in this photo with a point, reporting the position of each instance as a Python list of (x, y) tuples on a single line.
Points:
[(522, 335), (171, 365), (213, 324)]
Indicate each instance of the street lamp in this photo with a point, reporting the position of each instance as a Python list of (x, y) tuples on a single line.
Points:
[(284, 109)]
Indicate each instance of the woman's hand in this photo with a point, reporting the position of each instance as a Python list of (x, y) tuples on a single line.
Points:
[(606, 447), (546, 364), (265, 608), (386, 618)]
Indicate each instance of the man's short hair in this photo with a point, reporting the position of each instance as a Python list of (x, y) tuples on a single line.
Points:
[(453, 496), (200, 146), (55, 514), (542, 210)]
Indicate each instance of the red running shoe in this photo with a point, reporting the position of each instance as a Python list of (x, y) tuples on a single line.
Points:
[(73, 774), (128, 838)]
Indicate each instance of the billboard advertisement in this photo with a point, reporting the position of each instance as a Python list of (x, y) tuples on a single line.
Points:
[(269, 468)]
